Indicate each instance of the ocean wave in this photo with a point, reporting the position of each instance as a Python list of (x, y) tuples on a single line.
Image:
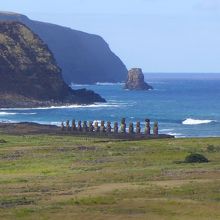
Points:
[(95, 105), (163, 90), (177, 135), (108, 84), (72, 85), (8, 121), (57, 123), (191, 121), (156, 82), (6, 113), (167, 130), (15, 113)]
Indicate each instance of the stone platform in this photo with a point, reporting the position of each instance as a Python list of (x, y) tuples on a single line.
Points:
[(105, 129)]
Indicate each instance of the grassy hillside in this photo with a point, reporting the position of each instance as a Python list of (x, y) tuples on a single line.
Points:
[(64, 177)]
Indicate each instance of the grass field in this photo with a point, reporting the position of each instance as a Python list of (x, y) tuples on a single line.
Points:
[(64, 177)]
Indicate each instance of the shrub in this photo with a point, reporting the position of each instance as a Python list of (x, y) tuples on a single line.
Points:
[(211, 148), (196, 158), (2, 141)]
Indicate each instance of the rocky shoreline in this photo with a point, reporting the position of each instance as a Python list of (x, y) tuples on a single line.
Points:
[(17, 101)]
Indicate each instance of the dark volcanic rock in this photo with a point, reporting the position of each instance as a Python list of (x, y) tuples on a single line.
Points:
[(29, 75), (84, 58), (136, 81)]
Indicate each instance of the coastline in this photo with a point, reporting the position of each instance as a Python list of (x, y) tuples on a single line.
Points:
[(189, 118), (16, 101), (31, 128), (36, 128)]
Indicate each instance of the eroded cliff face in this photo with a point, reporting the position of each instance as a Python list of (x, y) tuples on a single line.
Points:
[(135, 80), (29, 75), (83, 58)]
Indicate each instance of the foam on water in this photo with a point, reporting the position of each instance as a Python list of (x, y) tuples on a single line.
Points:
[(8, 121), (72, 85), (190, 121), (7, 113), (15, 113), (95, 105), (184, 108), (167, 130), (108, 84), (176, 135)]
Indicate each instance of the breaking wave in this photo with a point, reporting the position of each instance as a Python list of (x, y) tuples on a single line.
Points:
[(108, 84), (167, 130), (72, 85), (190, 121), (175, 134), (15, 113), (95, 105)]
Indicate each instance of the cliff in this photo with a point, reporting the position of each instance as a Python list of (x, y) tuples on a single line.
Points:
[(136, 81), (83, 58), (29, 74)]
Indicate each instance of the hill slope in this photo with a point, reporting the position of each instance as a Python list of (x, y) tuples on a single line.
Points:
[(29, 73), (84, 58)]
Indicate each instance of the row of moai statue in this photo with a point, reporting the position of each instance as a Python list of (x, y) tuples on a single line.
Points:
[(90, 127)]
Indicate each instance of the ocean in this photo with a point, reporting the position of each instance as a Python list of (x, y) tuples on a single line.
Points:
[(184, 106)]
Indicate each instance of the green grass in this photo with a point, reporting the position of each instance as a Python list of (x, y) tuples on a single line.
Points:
[(55, 177)]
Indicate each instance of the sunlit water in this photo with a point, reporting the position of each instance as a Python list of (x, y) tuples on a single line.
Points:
[(183, 107)]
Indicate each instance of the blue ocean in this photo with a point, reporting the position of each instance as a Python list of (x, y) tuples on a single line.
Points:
[(187, 106)]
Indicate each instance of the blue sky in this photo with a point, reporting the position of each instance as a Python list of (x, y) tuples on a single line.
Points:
[(156, 35)]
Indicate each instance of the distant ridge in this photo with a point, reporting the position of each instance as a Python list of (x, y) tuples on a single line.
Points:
[(83, 58), (183, 75)]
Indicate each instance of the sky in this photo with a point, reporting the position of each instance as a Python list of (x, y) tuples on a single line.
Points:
[(173, 36)]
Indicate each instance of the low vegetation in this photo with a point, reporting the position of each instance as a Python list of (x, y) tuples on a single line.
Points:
[(196, 158), (2, 141), (65, 177)]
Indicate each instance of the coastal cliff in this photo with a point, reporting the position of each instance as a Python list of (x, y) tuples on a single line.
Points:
[(135, 80), (30, 76), (84, 58)]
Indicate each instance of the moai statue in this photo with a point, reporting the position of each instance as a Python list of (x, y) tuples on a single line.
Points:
[(85, 127), (123, 126), (73, 125), (156, 129), (116, 127), (79, 128), (62, 127), (96, 127), (91, 128), (138, 127), (109, 128), (131, 128), (68, 125), (147, 127), (102, 127)]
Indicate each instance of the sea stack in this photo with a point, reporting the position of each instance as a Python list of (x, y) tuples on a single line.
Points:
[(136, 81)]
